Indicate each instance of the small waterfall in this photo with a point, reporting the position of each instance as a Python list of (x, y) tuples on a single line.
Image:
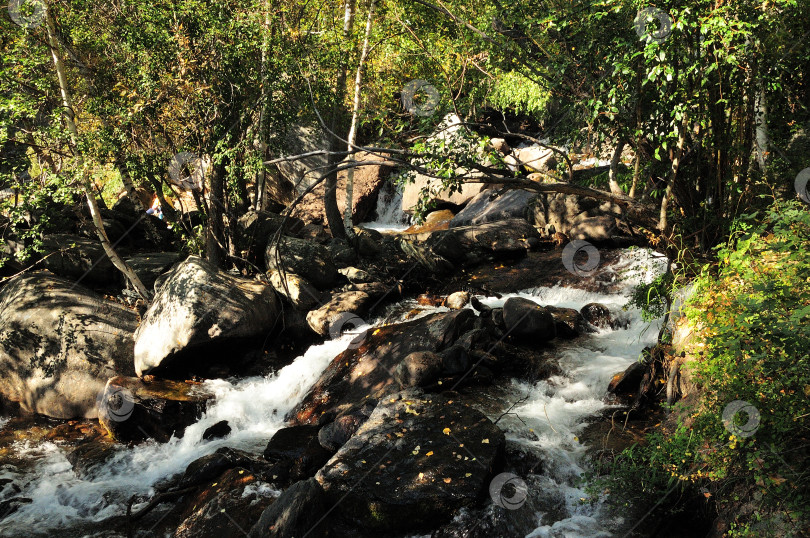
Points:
[(390, 216)]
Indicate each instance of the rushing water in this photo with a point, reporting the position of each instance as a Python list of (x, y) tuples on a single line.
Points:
[(390, 217), (556, 410)]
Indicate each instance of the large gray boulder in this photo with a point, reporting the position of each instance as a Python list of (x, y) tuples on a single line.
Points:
[(527, 320), (197, 305), (59, 343), (491, 205), (307, 259), (422, 458), (77, 258)]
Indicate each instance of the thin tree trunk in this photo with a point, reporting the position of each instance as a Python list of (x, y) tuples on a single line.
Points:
[(358, 81), (261, 176), (67, 102), (333, 216), (614, 164), (676, 163), (637, 164), (214, 228)]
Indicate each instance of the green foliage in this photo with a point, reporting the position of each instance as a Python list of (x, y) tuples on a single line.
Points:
[(513, 91), (753, 315), (654, 298)]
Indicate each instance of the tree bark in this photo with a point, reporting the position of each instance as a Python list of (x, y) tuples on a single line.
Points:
[(614, 163), (214, 235), (676, 163), (70, 121), (358, 81), (333, 216)]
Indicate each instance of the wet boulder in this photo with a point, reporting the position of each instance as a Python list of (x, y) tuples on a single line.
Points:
[(457, 300), (471, 245), (305, 258), (366, 369), (295, 453), (423, 458), (335, 434), (299, 511), (568, 322), (526, 320), (132, 410), (419, 369), (59, 343), (328, 318), (197, 306), (217, 431), (597, 315), (492, 205), (226, 506)]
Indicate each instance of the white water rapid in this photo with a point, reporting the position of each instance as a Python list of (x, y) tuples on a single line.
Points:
[(556, 410)]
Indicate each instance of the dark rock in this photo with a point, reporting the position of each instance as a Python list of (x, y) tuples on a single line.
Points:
[(342, 252), (455, 360), (132, 410), (435, 263), (597, 315), (483, 309), (296, 453), (417, 473), (335, 434), (491, 206), (330, 318), (230, 504), (149, 266), (198, 306), (59, 343), (470, 245), (211, 466), (525, 319), (568, 321), (217, 431), (77, 258), (355, 275), (419, 369), (299, 511), (365, 371), (301, 257), (601, 228), (257, 227), (627, 383)]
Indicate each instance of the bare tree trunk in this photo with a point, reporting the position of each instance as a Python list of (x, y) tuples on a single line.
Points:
[(261, 176), (333, 216), (676, 163), (614, 163), (637, 165), (214, 228), (67, 102), (358, 81)]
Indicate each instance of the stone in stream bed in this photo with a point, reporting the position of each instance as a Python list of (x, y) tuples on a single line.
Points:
[(526, 320), (295, 453), (132, 410), (59, 343), (366, 371), (217, 431), (422, 457), (197, 307)]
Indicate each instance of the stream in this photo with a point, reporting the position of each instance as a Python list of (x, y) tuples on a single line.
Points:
[(556, 409)]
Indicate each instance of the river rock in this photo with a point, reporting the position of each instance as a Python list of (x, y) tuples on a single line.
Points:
[(471, 245), (132, 410), (257, 227), (59, 343), (366, 371), (525, 319), (533, 158), (568, 321), (335, 434), (197, 306), (492, 205), (601, 228), (299, 511), (295, 454), (217, 431), (457, 300), (355, 275), (149, 266), (326, 319), (77, 258), (422, 458), (597, 315), (436, 264), (225, 507), (418, 369), (301, 294), (298, 256)]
